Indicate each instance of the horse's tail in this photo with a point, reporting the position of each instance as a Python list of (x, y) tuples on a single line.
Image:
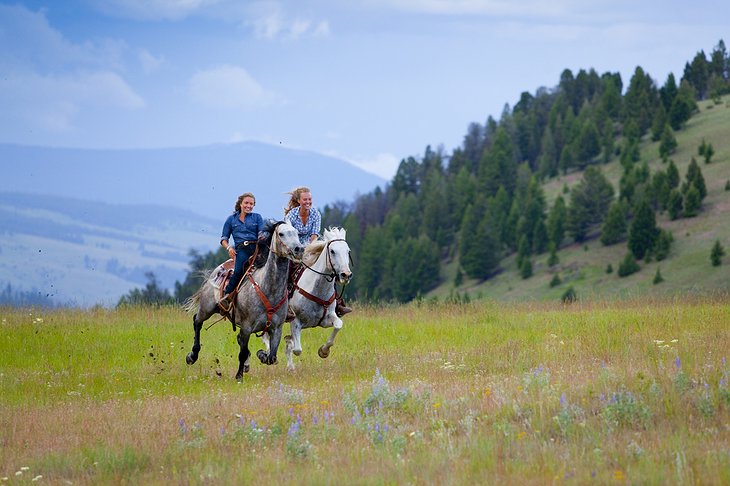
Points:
[(192, 303)]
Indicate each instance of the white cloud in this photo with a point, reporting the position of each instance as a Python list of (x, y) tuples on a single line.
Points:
[(53, 102), (49, 81), (149, 62), (228, 87), (269, 22), (384, 165)]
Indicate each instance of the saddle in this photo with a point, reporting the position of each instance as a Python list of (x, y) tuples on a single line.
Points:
[(220, 277)]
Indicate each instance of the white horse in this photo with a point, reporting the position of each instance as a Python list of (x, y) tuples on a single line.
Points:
[(260, 304), (314, 298)]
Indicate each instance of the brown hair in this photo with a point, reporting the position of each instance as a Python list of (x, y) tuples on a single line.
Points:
[(237, 206), (294, 198)]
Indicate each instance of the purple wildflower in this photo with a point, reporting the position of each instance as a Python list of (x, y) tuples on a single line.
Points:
[(563, 401), (314, 419), (677, 363)]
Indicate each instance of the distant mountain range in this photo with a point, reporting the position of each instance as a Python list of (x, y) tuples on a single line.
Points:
[(205, 180), (84, 226)]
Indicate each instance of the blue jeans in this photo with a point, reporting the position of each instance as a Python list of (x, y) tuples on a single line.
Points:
[(243, 253)]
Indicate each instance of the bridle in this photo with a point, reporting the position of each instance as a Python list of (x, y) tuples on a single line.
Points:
[(329, 277), (328, 259)]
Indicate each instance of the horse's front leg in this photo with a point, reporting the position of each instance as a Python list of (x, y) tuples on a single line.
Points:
[(295, 327), (288, 346), (324, 350), (192, 356), (269, 357), (243, 355)]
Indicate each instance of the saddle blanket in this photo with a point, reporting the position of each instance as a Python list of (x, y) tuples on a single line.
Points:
[(222, 272)]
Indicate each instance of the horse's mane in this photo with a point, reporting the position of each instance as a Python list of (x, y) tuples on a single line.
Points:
[(314, 249), (268, 233)]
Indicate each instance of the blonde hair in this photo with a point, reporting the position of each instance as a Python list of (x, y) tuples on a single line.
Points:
[(237, 206), (294, 198)]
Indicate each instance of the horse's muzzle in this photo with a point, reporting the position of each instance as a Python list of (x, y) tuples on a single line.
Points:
[(344, 277), (297, 252)]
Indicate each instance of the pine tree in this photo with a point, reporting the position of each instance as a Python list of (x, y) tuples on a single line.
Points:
[(553, 258), (717, 253), (643, 231), (557, 221), (615, 226), (628, 266), (692, 202), (658, 277), (555, 281), (569, 296), (523, 250), (727, 185), (673, 175), (675, 204), (668, 143), (609, 268), (526, 268), (589, 202), (479, 245), (662, 245), (694, 176), (709, 152)]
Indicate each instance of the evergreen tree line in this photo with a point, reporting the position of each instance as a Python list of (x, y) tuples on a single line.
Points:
[(25, 298), (485, 201)]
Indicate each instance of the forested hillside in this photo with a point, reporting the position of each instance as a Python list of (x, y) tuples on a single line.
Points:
[(593, 186), (590, 164)]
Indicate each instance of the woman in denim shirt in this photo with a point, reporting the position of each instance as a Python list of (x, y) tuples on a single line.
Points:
[(245, 226)]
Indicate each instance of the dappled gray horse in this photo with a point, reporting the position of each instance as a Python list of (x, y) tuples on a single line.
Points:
[(314, 298), (260, 304)]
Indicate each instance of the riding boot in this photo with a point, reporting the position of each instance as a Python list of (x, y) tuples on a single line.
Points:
[(341, 309)]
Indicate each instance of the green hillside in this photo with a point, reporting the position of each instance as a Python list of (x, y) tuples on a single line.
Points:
[(583, 266)]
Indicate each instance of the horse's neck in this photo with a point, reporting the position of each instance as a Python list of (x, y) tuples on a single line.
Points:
[(274, 273), (314, 282)]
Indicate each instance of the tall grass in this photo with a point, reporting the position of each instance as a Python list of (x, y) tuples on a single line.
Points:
[(614, 392)]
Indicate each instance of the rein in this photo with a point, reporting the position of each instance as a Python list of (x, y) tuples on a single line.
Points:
[(270, 310), (328, 276)]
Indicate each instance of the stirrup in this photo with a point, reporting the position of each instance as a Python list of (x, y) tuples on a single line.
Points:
[(226, 302)]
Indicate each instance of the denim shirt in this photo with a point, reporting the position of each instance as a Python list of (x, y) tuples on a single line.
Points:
[(241, 231), (313, 226)]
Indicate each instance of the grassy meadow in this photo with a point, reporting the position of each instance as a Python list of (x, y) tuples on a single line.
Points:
[(606, 392)]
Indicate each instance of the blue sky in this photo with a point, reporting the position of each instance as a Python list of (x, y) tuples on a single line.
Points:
[(368, 81)]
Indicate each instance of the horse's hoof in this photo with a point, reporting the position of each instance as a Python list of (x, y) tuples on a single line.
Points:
[(297, 352), (191, 358), (246, 368), (262, 356), (239, 377), (322, 352)]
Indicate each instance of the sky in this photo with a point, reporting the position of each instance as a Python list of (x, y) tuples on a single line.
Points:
[(368, 81)]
